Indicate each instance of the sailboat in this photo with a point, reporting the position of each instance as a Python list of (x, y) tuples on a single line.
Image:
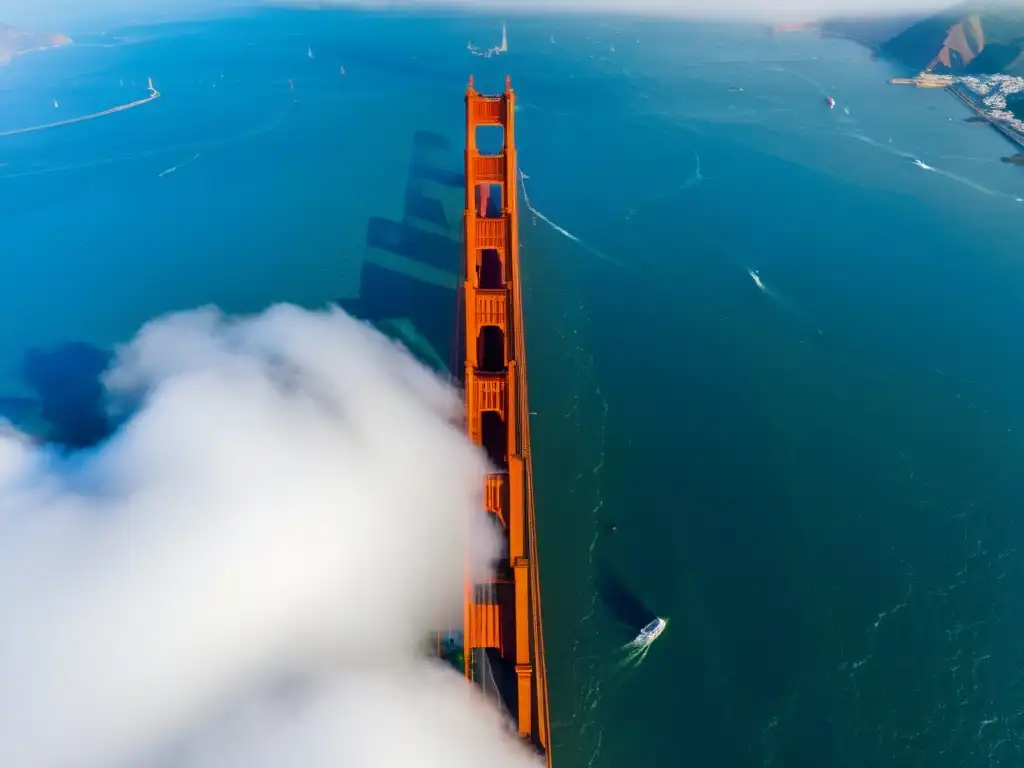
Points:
[(310, 51), (494, 50), (55, 104)]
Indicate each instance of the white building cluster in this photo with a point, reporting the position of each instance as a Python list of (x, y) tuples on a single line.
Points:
[(993, 91)]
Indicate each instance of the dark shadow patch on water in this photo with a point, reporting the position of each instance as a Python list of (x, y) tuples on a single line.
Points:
[(419, 206), (426, 141), (622, 603), (435, 160), (386, 295), (70, 404), (413, 243), (440, 176), (424, 236), (18, 410)]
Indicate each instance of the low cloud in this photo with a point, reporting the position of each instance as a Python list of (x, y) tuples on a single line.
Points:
[(244, 574), (692, 9)]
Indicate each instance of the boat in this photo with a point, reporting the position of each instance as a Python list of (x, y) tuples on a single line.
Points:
[(55, 104), (650, 632), (831, 103)]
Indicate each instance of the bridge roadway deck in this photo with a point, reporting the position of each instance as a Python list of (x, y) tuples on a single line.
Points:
[(503, 632)]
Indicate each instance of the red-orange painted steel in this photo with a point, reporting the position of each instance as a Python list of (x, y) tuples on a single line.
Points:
[(496, 393)]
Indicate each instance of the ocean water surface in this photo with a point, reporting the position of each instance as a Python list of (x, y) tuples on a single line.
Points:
[(816, 483)]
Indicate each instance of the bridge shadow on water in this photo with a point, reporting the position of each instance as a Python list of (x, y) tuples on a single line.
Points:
[(622, 603), (68, 408), (408, 289), (410, 270)]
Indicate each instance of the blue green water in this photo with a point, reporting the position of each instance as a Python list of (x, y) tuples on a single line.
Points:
[(815, 483)]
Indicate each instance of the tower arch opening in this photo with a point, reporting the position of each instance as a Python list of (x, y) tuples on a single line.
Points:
[(491, 349)]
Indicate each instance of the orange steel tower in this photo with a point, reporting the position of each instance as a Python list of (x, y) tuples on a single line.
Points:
[(503, 637)]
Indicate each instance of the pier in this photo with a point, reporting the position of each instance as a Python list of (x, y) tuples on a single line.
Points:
[(924, 80)]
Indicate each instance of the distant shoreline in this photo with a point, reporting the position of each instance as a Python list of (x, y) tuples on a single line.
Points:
[(39, 48), (946, 82), (1013, 136), (11, 39)]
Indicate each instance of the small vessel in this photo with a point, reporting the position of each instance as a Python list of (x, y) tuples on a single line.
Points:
[(310, 51), (756, 278), (341, 70), (831, 103), (55, 104), (650, 633)]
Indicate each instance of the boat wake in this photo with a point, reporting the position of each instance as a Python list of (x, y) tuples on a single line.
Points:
[(635, 651), (153, 94), (810, 80), (961, 180), (695, 179), (173, 168), (561, 230), (781, 301), (260, 129), (757, 279), (918, 162)]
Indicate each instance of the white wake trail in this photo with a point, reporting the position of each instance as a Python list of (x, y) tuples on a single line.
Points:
[(561, 230), (153, 94), (925, 167), (174, 168)]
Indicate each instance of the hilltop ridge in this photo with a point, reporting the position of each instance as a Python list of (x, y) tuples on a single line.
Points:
[(967, 39), (14, 41), (964, 40)]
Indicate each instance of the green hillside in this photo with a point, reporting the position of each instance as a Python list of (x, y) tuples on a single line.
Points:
[(966, 39)]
